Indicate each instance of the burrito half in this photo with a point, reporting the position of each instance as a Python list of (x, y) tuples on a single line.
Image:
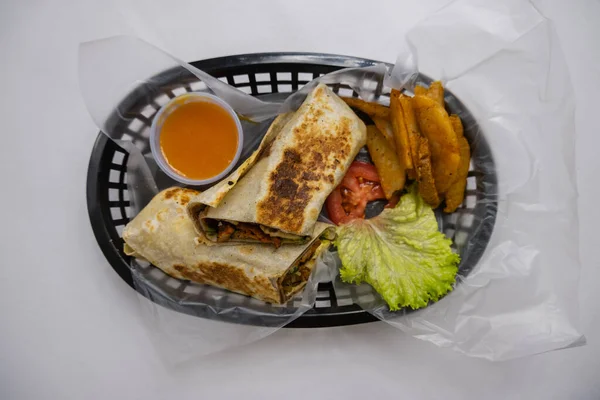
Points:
[(278, 195), (163, 234)]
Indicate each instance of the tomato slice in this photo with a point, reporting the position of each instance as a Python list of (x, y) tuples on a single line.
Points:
[(393, 201), (348, 201)]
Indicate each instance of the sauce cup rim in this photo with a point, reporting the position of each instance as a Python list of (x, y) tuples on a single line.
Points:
[(155, 137)]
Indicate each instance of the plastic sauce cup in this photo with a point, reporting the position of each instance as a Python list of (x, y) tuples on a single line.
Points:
[(161, 117)]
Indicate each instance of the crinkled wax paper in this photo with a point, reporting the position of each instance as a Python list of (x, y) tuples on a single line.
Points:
[(501, 60)]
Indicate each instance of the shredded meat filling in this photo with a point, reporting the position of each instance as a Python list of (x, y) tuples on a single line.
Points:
[(243, 230), (224, 232), (300, 272)]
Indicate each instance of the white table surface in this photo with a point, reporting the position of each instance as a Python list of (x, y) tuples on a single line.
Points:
[(69, 327)]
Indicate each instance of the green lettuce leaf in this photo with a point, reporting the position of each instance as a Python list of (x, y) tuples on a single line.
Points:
[(401, 253)]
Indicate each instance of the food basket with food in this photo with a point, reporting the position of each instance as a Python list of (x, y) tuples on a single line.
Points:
[(305, 190), (331, 315)]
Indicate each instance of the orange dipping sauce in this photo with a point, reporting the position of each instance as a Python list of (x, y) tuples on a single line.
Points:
[(199, 139)]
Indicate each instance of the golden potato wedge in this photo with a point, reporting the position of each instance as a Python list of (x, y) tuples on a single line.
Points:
[(399, 129), (385, 127), (456, 193), (412, 130), (435, 125), (457, 125), (422, 90), (436, 92), (427, 188), (390, 169), (371, 109)]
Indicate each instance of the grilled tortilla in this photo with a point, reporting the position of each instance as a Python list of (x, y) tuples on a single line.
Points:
[(163, 234), (279, 194)]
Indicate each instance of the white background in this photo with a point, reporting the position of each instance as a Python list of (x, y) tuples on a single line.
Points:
[(69, 327)]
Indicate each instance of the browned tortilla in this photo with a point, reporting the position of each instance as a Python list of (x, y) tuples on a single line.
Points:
[(287, 186), (163, 234)]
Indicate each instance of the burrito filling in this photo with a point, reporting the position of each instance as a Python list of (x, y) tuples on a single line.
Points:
[(300, 271), (224, 231)]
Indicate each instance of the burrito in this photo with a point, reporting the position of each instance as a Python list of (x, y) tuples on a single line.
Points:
[(277, 194), (163, 234)]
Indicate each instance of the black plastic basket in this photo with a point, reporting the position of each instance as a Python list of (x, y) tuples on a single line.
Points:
[(274, 76)]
